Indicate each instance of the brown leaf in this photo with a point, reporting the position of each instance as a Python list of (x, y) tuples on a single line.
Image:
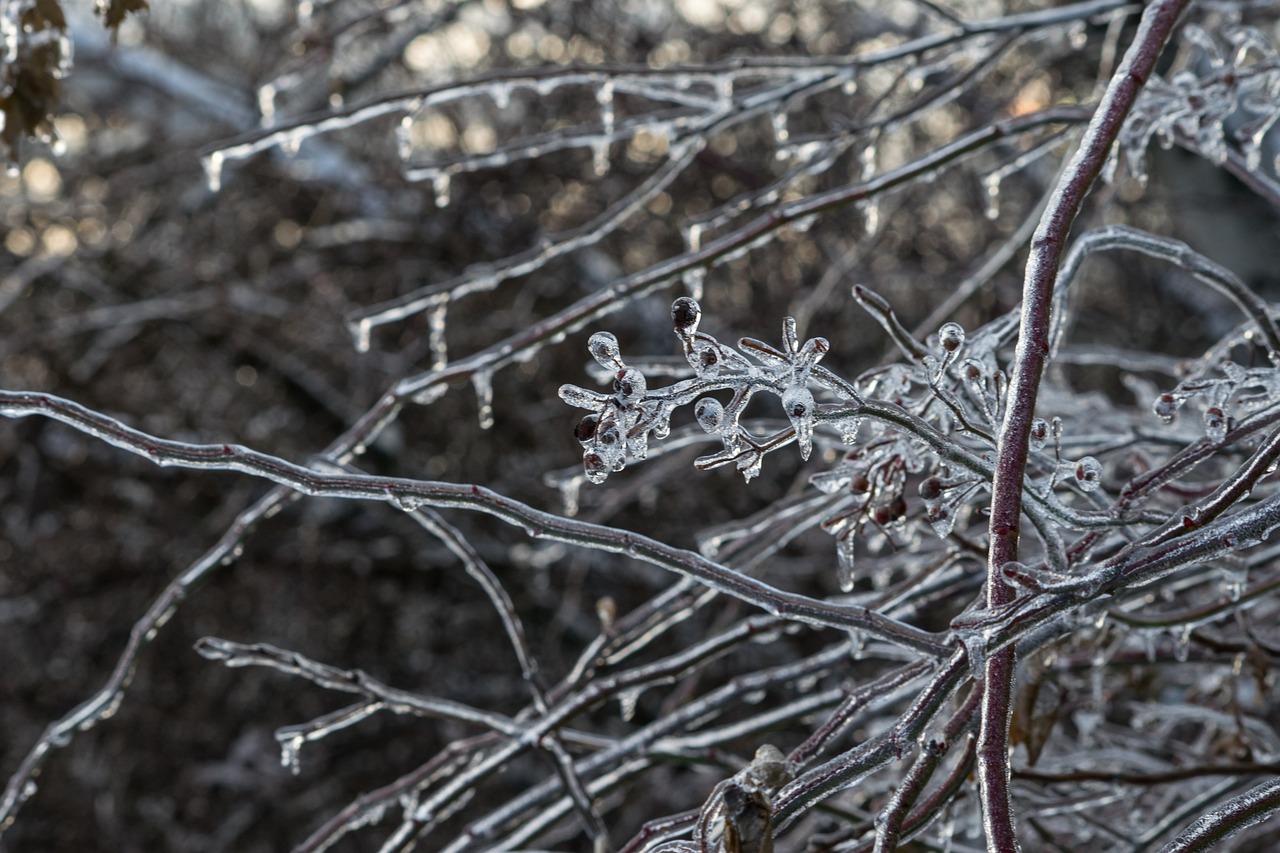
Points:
[(115, 11)]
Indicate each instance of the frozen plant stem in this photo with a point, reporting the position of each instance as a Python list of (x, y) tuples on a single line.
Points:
[(1047, 249)]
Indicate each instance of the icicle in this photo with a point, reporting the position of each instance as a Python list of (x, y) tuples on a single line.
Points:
[(482, 381), (600, 155), (1112, 164), (363, 334), (1182, 644), (439, 346), (569, 491), (871, 217), (213, 163), (404, 137), (289, 749), (440, 182), (267, 103), (693, 279), (693, 236), (501, 95), (627, 701), (798, 403), (724, 91), (604, 97), (844, 561), (291, 143), (976, 645), (991, 188), (780, 132)]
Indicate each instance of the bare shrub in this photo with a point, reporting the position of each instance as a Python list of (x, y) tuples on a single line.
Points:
[(997, 568)]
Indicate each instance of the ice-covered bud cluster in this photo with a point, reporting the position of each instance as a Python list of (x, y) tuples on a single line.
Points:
[(944, 494), (620, 424), (1237, 100), (1237, 390)]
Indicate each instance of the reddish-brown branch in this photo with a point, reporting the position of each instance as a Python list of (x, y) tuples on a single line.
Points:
[(1047, 249)]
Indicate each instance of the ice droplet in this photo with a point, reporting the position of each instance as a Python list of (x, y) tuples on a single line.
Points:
[(408, 503), (710, 414), (1216, 423), (629, 386), (943, 519), (848, 429), (1039, 436), (750, 465), (1165, 408), (482, 381), (1088, 474), (595, 467), (685, 315), (604, 348), (951, 337)]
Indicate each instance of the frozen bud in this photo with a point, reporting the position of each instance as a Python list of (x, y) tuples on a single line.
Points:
[(609, 434), (942, 519), (1216, 424), (1088, 474), (860, 484), (894, 510), (603, 347), (1166, 407), (931, 488), (596, 468), (685, 314), (951, 336), (586, 428), (706, 361), (1039, 433), (710, 413), (973, 370), (629, 385), (797, 403)]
